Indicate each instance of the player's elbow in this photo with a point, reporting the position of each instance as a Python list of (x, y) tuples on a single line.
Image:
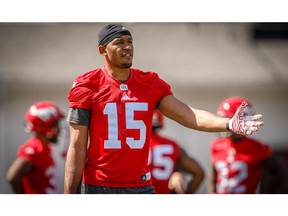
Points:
[(200, 175), (12, 178)]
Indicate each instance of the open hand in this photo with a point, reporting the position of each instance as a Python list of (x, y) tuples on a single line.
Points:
[(243, 124)]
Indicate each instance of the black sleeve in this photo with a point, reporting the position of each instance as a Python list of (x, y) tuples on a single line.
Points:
[(79, 116)]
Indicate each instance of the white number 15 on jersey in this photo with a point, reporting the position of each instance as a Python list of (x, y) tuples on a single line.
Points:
[(111, 110)]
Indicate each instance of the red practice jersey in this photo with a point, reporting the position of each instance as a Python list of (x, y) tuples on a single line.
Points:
[(120, 125), (42, 179), (238, 164), (163, 157)]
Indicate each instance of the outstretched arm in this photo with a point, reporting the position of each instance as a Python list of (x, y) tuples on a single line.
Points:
[(76, 157), (203, 120)]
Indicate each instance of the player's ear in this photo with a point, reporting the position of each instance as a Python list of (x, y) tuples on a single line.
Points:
[(102, 49)]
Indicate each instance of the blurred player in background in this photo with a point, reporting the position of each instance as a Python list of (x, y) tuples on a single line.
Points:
[(238, 161), (33, 171), (165, 157)]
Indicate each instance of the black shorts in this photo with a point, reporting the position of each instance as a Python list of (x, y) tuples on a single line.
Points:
[(92, 189)]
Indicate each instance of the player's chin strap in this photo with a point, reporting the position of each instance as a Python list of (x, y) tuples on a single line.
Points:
[(242, 124)]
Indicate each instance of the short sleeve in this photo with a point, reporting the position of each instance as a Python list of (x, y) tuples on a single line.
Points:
[(28, 153), (162, 88), (81, 93)]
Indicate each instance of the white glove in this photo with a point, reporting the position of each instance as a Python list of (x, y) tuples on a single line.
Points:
[(242, 124)]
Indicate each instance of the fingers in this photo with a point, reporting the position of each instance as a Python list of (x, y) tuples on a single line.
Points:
[(245, 124), (251, 130), (253, 126), (257, 124), (241, 108), (257, 117), (253, 118)]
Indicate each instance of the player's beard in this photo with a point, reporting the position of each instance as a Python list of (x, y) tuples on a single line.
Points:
[(126, 65), (53, 140)]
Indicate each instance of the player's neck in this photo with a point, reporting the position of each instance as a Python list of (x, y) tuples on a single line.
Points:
[(121, 74), (237, 138), (43, 139)]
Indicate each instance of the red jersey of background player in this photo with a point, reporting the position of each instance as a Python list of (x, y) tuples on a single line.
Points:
[(42, 179), (163, 157), (119, 131), (239, 164)]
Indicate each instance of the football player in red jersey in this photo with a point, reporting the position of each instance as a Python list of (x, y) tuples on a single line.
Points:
[(111, 108), (237, 160), (33, 171), (165, 157)]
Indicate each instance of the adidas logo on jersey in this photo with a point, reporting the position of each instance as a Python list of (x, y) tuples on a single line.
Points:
[(125, 97), (146, 176)]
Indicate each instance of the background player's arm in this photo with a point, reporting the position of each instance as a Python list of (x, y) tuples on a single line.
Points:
[(192, 167), (192, 118), (76, 157), (17, 170), (211, 183), (177, 183)]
